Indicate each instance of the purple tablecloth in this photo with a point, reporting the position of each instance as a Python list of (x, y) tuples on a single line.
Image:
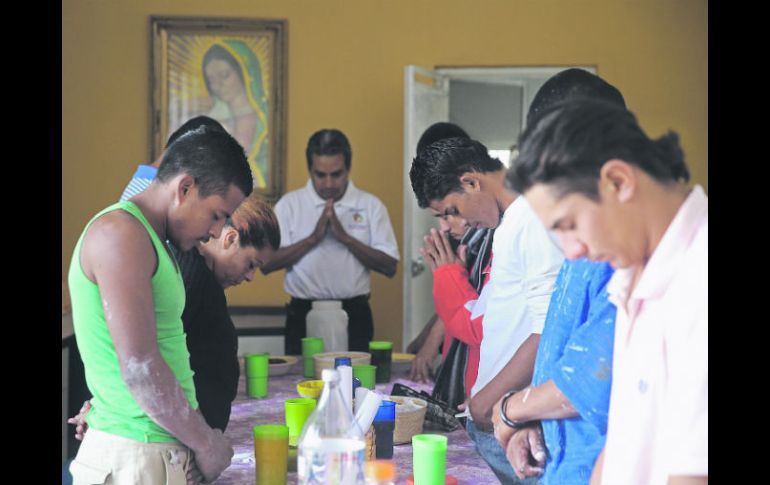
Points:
[(462, 460)]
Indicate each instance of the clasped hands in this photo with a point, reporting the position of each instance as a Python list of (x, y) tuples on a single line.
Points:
[(329, 221), (438, 251), (524, 447)]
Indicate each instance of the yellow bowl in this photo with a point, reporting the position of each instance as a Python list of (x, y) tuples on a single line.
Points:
[(401, 362), (310, 389), (402, 357)]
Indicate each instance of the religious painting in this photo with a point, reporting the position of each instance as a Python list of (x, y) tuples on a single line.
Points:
[(232, 70)]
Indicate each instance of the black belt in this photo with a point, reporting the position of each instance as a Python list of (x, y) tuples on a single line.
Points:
[(355, 299)]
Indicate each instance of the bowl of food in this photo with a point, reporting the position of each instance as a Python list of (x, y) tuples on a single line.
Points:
[(310, 389), (401, 362), (278, 365)]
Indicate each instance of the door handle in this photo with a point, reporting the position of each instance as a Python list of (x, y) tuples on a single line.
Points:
[(418, 266)]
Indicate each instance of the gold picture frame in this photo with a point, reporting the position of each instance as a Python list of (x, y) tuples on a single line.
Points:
[(233, 70)]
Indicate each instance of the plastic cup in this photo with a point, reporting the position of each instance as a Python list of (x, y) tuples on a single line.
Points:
[(256, 387), (366, 374), (271, 453), (382, 354), (429, 459), (310, 347), (297, 410), (255, 365)]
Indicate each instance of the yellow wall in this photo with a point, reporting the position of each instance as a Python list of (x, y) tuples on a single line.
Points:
[(346, 61)]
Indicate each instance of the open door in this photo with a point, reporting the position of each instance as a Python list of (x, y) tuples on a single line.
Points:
[(490, 103), (426, 101)]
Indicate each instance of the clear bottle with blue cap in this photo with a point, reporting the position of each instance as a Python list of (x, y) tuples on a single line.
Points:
[(338, 361)]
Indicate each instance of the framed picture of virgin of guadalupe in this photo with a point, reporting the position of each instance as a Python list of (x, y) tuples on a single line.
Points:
[(232, 70)]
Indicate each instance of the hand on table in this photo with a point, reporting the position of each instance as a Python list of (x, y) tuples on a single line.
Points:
[(421, 365), (526, 451), (79, 420)]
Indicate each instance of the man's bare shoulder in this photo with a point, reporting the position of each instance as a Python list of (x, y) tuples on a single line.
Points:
[(116, 238), (118, 226)]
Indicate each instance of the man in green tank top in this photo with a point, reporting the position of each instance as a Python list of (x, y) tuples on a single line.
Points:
[(127, 301)]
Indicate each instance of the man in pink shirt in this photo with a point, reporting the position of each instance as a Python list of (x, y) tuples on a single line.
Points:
[(612, 194)]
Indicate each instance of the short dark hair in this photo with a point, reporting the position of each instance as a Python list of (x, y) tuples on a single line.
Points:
[(568, 144), (328, 141), (256, 223), (439, 131), (192, 124), (569, 84), (212, 157), (436, 170)]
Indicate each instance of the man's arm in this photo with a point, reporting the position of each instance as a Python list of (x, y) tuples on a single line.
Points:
[(532, 404), (373, 259), (118, 256), (288, 255), (516, 374), (416, 344), (421, 365)]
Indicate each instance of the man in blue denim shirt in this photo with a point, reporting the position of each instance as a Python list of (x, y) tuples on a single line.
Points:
[(574, 359), (570, 391)]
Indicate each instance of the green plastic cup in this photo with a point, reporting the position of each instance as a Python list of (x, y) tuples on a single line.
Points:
[(297, 410), (429, 459), (366, 373), (382, 355), (310, 347), (256, 387), (256, 365), (271, 453)]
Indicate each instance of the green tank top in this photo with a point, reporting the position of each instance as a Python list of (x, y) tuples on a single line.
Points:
[(113, 408)]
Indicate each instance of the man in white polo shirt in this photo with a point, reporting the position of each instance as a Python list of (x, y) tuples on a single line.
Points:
[(613, 194), (458, 179), (332, 235)]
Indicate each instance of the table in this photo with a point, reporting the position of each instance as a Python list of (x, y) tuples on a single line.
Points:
[(462, 459)]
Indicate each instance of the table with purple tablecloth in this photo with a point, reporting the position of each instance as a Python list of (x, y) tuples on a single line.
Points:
[(462, 460)]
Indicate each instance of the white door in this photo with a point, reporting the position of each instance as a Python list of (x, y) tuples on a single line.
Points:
[(426, 101)]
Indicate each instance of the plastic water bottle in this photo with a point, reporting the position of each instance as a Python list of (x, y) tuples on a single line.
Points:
[(327, 319), (331, 447)]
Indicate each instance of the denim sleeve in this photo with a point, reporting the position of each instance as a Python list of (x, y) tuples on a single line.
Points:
[(584, 372)]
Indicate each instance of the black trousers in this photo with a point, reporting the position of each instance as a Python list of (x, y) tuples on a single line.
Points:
[(360, 323)]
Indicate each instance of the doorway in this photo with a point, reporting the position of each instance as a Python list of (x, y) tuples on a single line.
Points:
[(490, 104)]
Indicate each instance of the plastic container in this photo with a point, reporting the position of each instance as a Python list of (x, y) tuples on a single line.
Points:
[(338, 361), (327, 319), (384, 425), (382, 353), (331, 447)]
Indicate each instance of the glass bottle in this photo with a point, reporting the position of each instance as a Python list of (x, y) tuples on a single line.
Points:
[(331, 447)]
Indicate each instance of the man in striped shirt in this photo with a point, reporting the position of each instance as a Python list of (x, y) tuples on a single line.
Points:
[(145, 174)]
